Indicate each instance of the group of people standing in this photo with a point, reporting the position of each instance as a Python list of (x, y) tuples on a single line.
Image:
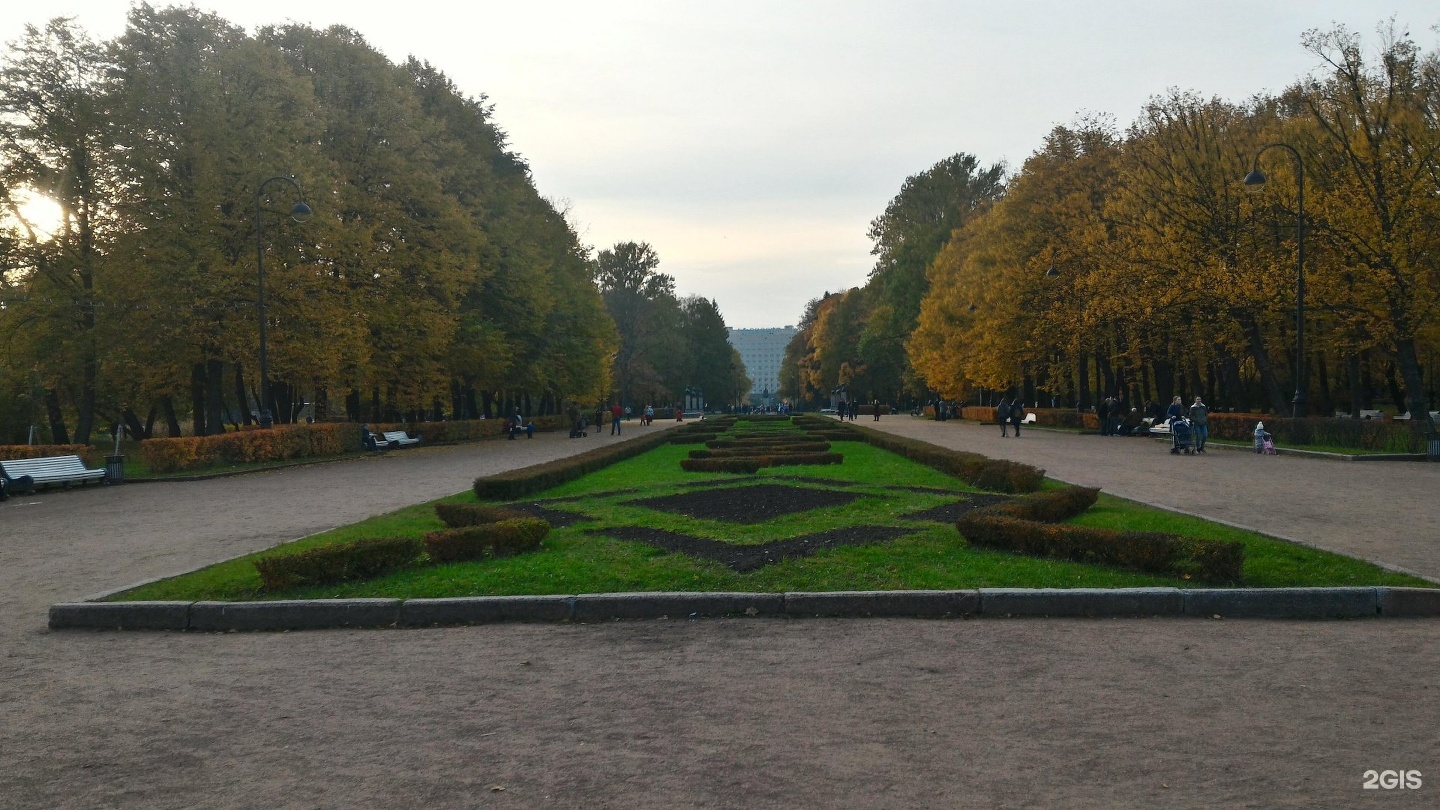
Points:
[(851, 410)]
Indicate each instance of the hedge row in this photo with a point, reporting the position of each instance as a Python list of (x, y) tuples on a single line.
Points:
[(504, 538), (751, 463), (88, 454), (1210, 561), (1031, 526), (461, 515), (682, 437), (779, 441), (327, 565), (995, 475), (724, 452), (248, 445), (528, 480)]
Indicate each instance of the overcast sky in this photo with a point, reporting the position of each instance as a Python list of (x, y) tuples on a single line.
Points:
[(752, 142)]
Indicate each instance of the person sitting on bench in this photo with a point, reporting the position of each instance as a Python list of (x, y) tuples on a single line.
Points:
[(15, 486)]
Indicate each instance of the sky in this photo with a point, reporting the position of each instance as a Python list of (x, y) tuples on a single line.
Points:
[(751, 143)]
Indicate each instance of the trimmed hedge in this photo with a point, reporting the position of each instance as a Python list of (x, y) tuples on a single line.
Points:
[(995, 475), (15, 452), (746, 465), (248, 445), (751, 463), (504, 538), (682, 437), (460, 515), (327, 565), (787, 440), (818, 447), (1210, 561), (1032, 525), (514, 484)]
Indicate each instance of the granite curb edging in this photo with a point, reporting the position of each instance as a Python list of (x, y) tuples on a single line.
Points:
[(315, 614)]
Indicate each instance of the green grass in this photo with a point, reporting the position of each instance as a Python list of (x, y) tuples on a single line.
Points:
[(572, 561)]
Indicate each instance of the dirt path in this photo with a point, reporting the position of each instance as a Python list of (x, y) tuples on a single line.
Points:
[(1385, 512), (743, 714)]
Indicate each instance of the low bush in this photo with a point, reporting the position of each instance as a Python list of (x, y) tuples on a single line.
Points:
[(995, 475), (745, 465), (1327, 431), (1049, 507), (327, 565), (504, 538), (681, 437), (1210, 561), (817, 447), (514, 484), (460, 515), (15, 452), (778, 441)]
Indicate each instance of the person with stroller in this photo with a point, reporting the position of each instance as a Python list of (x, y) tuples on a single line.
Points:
[(1264, 442)]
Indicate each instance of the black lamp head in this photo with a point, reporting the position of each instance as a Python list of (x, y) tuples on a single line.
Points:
[(301, 212), (1255, 180)]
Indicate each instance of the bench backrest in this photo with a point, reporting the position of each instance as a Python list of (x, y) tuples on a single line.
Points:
[(396, 436), (49, 467)]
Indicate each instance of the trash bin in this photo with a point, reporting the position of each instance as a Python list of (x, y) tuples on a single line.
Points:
[(114, 469)]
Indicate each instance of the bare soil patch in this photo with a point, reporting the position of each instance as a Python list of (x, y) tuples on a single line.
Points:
[(743, 559), (748, 505)]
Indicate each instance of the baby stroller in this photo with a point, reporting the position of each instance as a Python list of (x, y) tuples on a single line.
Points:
[(1181, 437), (578, 431)]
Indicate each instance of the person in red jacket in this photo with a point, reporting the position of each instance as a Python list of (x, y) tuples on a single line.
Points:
[(615, 413)]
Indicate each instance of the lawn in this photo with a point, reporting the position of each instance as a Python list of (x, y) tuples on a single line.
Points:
[(584, 558)]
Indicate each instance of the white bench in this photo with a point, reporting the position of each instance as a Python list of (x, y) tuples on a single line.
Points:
[(63, 470), (398, 438), (1029, 419), (1364, 414)]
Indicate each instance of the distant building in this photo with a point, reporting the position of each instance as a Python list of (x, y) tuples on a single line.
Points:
[(762, 350)]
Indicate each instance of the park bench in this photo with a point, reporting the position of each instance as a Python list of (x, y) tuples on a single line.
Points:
[(63, 470), (398, 438), (1029, 419), (1364, 414)]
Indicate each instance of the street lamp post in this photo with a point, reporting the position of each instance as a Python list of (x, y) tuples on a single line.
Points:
[(1256, 179), (300, 212)]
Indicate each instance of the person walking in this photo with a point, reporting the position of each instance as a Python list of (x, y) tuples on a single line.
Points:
[(1017, 415), (1102, 411), (615, 413), (842, 409), (1200, 419), (876, 406), (1175, 411), (1002, 415), (854, 409), (599, 419)]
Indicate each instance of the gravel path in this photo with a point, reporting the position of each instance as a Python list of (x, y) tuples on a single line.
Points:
[(743, 714)]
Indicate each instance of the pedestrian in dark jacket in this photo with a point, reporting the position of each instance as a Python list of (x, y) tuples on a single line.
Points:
[(1017, 415), (1103, 411), (1002, 415)]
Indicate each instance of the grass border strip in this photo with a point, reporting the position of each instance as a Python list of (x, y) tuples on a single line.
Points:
[(314, 614)]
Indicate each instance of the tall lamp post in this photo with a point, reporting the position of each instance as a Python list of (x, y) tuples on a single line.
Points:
[(300, 212), (1256, 180)]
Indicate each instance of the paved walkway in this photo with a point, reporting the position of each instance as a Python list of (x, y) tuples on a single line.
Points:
[(744, 714), (1385, 512)]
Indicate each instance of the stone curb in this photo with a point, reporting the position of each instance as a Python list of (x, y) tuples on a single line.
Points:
[(1239, 603)]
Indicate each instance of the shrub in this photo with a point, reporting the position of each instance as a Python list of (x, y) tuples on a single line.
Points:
[(682, 437), (15, 452), (327, 565), (527, 480), (769, 450), (787, 440), (1210, 561), (248, 445), (1048, 507), (459, 515), (1359, 434), (996, 475), (726, 465), (504, 538)]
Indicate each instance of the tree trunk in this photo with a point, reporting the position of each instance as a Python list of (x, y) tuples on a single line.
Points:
[(352, 405), (240, 397), (132, 424), (1409, 362), (1326, 405), (1083, 382), (172, 422), (197, 400), (1232, 386), (1355, 393), (1278, 402), (214, 396), (1397, 397), (58, 432)]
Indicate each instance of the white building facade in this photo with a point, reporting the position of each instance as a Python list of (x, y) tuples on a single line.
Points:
[(762, 350)]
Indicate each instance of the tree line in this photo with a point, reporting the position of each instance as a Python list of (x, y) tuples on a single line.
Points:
[(1139, 264), (432, 281)]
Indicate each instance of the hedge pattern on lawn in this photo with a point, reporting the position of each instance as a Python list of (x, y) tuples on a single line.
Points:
[(732, 452), (460, 515), (513, 484), (755, 461), (328, 565), (1031, 525), (504, 538), (982, 472)]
